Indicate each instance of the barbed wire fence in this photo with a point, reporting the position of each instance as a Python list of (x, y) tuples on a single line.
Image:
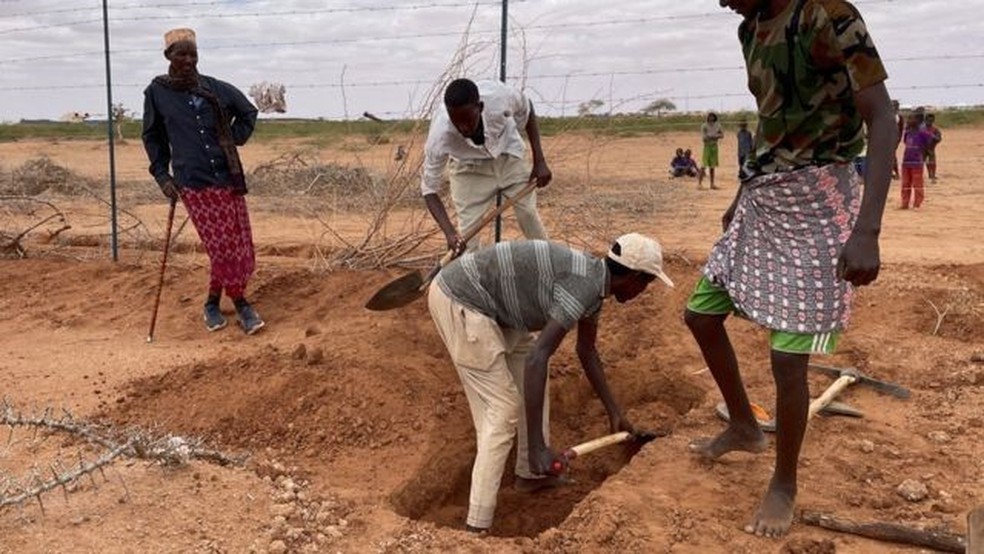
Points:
[(390, 187)]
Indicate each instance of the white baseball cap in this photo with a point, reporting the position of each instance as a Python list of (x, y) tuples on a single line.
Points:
[(640, 253)]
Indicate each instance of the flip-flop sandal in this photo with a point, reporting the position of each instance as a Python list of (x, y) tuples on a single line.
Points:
[(768, 424)]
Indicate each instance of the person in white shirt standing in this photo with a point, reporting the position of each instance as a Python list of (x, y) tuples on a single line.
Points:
[(478, 131)]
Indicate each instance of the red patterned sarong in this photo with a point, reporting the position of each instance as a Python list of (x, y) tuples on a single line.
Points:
[(222, 221)]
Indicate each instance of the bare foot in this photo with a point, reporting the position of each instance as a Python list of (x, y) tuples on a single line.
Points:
[(775, 514), (732, 438)]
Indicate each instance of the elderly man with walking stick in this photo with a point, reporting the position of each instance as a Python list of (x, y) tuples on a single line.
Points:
[(191, 126)]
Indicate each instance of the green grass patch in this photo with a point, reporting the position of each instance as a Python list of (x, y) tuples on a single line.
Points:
[(329, 133), (950, 118)]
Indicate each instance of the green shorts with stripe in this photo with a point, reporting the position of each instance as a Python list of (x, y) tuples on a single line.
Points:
[(710, 299)]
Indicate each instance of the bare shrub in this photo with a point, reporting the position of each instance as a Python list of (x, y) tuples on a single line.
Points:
[(40, 175)]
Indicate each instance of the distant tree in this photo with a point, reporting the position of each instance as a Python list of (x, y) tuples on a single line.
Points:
[(659, 106), (587, 108), (120, 116)]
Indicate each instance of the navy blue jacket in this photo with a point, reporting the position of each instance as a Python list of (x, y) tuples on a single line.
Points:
[(179, 130)]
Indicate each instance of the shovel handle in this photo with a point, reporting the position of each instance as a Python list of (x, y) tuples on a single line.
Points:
[(475, 228), (445, 259), (480, 224), (830, 394)]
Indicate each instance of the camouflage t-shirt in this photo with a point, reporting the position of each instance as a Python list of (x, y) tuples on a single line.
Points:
[(804, 66)]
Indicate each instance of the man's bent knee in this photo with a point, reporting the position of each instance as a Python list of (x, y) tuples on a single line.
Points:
[(702, 323)]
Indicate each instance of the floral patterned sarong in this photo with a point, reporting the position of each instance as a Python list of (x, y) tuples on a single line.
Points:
[(778, 258)]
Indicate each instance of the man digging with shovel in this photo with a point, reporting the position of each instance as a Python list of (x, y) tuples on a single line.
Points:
[(479, 131), (487, 303), (798, 235)]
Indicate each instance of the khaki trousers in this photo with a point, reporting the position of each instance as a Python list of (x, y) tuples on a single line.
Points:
[(490, 361), (474, 184)]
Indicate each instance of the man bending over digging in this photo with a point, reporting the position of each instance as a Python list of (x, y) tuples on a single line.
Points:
[(798, 235), (487, 304)]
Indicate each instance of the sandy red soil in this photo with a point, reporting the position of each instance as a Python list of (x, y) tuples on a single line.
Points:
[(358, 431)]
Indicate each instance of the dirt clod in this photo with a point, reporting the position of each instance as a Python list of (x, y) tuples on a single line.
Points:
[(912, 490), (809, 546)]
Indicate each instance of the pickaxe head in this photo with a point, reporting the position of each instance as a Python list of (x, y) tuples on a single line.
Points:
[(897, 391)]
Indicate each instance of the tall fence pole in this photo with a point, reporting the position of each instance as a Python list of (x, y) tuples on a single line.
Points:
[(114, 239), (502, 77)]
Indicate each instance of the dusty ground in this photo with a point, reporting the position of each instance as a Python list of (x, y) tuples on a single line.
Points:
[(358, 431)]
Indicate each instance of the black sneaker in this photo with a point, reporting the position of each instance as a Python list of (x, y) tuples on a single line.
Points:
[(214, 320), (249, 320)]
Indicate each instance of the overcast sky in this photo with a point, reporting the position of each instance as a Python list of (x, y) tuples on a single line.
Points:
[(388, 53)]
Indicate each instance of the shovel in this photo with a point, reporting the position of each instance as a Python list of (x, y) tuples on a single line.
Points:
[(406, 289)]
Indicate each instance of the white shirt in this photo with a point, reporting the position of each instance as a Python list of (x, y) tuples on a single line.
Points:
[(506, 111)]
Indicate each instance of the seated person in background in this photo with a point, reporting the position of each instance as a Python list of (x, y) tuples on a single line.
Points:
[(679, 164), (692, 169)]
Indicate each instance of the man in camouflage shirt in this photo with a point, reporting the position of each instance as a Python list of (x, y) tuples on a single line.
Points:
[(798, 236)]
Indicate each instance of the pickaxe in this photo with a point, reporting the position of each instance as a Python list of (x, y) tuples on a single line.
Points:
[(846, 377), (562, 462)]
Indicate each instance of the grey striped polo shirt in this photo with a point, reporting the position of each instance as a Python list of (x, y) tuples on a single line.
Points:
[(523, 284)]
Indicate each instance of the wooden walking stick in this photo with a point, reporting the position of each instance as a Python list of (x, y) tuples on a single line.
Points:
[(160, 281)]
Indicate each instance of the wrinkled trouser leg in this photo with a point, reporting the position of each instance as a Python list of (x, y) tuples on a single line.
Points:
[(478, 350), (474, 184)]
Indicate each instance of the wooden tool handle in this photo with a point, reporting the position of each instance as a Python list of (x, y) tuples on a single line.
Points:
[(975, 530), (890, 532), (830, 394), (480, 224), (560, 464), (475, 228), (600, 442)]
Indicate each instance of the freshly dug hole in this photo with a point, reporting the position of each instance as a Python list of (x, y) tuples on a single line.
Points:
[(438, 491)]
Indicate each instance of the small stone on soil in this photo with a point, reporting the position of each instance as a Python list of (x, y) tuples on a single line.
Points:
[(317, 356), (912, 490), (809, 546), (300, 352)]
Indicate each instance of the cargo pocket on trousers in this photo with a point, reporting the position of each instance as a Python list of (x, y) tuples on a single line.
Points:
[(480, 342)]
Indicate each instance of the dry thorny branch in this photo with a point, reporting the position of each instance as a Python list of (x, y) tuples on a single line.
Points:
[(166, 450), (20, 197), (10, 242), (391, 238)]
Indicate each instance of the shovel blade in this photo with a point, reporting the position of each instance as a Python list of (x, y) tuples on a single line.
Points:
[(397, 293)]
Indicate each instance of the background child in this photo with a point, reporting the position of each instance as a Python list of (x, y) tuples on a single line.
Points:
[(745, 142), (711, 133), (917, 141), (931, 151), (679, 165)]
